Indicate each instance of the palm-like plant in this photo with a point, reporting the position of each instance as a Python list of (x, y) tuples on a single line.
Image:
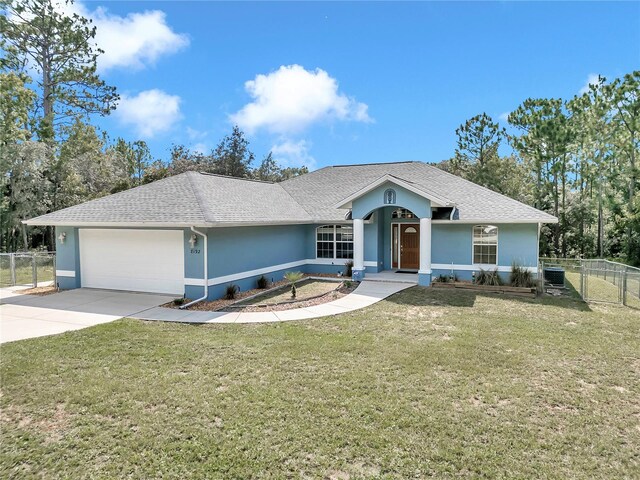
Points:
[(293, 277)]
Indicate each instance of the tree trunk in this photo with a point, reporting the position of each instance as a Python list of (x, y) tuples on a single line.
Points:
[(556, 212), (600, 221), (25, 241)]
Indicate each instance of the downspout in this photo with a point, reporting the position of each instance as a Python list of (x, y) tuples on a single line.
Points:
[(206, 272)]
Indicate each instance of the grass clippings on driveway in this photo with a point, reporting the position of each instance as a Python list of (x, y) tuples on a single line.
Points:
[(427, 383)]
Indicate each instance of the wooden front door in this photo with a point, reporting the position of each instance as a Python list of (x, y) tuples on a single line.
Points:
[(409, 246)]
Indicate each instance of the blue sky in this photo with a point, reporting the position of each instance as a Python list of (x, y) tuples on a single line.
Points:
[(346, 82)]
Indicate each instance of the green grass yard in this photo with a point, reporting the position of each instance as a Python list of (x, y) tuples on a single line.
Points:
[(429, 383), (24, 271)]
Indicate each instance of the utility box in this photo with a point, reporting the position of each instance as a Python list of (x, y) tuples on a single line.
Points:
[(554, 275)]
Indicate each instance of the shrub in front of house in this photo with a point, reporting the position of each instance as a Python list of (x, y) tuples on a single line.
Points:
[(520, 276), (293, 277), (262, 282), (488, 277), (231, 291), (348, 268)]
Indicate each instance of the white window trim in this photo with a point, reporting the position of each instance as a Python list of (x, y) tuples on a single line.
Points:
[(483, 266), (334, 241)]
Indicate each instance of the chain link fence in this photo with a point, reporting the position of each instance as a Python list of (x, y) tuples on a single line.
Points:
[(28, 269), (598, 280), (610, 282)]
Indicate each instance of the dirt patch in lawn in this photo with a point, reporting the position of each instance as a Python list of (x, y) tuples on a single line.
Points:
[(40, 291)]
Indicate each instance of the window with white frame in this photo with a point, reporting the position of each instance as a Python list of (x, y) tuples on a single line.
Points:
[(485, 244), (334, 241), (402, 213)]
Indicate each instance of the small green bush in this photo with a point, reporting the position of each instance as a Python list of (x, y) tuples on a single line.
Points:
[(231, 291), (178, 301), (520, 276), (293, 277), (349, 268), (488, 277), (443, 278), (348, 283), (262, 282)]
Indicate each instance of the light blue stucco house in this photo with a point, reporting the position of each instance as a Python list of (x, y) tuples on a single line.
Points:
[(194, 233)]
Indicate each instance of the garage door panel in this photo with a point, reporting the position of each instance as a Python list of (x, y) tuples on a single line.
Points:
[(137, 260)]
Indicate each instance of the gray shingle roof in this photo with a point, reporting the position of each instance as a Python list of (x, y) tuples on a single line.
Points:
[(318, 192), (201, 199)]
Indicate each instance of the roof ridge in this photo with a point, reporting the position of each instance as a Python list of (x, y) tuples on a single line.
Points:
[(196, 193), (294, 200), (373, 163), (231, 177)]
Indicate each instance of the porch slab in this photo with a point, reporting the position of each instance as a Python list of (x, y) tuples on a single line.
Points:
[(392, 276)]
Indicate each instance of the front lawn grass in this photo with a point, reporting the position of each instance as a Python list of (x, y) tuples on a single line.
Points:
[(429, 383)]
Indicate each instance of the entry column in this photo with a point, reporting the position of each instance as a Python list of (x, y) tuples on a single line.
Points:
[(358, 248), (424, 274)]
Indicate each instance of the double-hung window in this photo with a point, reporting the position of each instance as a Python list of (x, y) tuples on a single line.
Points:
[(334, 241), (485, 244)]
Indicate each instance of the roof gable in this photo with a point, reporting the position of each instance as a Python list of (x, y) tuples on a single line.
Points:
[(436, 200)]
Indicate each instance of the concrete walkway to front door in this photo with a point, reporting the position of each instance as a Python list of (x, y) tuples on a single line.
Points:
[(367, 293), (28, 316)]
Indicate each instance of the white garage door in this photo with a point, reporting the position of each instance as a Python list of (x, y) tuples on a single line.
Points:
[(136, 260)]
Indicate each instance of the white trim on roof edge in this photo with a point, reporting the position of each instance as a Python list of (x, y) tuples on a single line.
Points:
[(494, 221), (438, 201), (314, 221)]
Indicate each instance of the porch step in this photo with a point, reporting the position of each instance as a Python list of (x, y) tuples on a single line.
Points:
[(390, 280)]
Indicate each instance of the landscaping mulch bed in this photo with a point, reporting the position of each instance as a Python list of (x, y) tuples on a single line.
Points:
[(215, 305), (339, 292), (529, 292), (39, 291)]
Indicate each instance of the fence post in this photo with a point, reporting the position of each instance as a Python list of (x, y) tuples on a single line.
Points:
[(34, 270), (582, 278), (12, 268), (624, 286)]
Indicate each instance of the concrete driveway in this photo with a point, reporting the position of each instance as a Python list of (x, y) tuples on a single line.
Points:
[(28, 316)]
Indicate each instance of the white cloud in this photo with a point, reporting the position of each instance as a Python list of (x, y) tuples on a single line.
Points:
[(195, 134), (293, 154), (291, 99), (201, 148), (134, 41), (150, 112), (592, 79)]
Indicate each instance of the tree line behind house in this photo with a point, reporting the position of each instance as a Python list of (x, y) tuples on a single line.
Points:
[(575, 158)]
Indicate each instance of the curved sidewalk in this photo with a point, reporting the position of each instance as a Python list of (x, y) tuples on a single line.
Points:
[(367, 293)]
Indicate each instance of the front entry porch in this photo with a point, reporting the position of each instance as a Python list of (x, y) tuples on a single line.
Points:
[(393, 240), (393, 276)]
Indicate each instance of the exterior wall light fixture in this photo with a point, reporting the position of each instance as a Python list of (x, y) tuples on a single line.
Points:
[(62, 237), (193, 241)]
